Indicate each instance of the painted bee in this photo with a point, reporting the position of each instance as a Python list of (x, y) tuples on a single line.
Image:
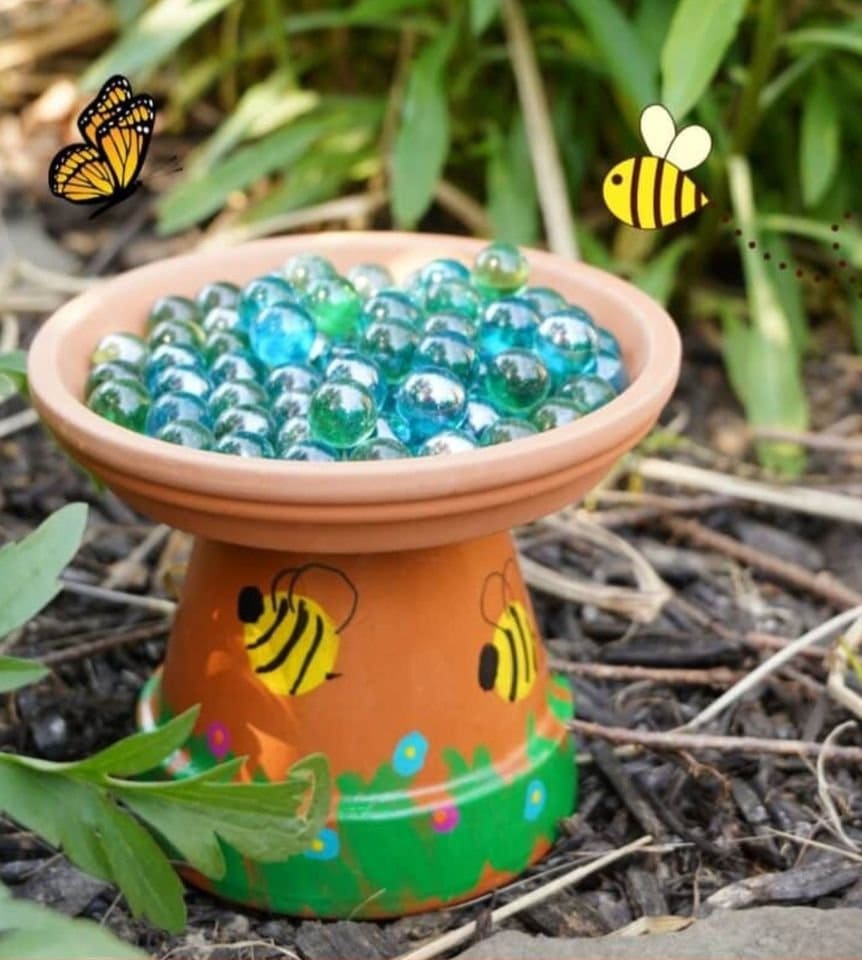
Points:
[(652, 192), (507, 665), (291, 641)]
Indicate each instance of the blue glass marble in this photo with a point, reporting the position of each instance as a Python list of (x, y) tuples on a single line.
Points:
[(321, 351), (187, 433), (182, 332), (391, 345), (391, 305), (517, 381), (292, 376), (392, 425), (543, 300), (588, 392), (567, 343), (500, 267), (218, 294), (289, 404), (448, 353), (172, 308), (281, 333), (507, 323), (505, 430), (380, 448), (181, 380), (341, 414), (555, 412), (112, 370), (335, 306), (442, 269), (369, 279), (453, 296), (293, 430), (261, 293), (354, 367), (480, 414), (175, 406), (242, 445), (121, 346), (171, 355), (607, 342), (236, 365), (223, 318), (223, 341), (446, 441), (250, 421), (236, 393), (430, 401), (307, 450), (612, 370), (452, 325), (305, 270)]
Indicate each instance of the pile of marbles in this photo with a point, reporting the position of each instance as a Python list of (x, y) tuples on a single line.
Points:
[(306, 364)]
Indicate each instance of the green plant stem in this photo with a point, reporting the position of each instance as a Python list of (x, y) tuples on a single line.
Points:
[(278, 35)]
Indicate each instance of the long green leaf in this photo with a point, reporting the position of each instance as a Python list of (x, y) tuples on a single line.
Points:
[(512, 202), (659, 275), (482, 13), (833, 38), (422, 141), (15, 673), (819, 140), (700, 33), (13, 373), (29, 570)]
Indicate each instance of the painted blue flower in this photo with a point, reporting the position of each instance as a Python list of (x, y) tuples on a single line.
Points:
[(409, 755), (325, 846), (534, 802)]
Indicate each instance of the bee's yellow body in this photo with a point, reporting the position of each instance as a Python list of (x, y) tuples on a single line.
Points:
[(507, 665), (650, 192)]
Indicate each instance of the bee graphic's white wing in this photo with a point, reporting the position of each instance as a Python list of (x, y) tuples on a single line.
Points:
[(657, 129), (690, 148)]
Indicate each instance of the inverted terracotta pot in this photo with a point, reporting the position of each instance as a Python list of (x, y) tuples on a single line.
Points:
[(372, 612)]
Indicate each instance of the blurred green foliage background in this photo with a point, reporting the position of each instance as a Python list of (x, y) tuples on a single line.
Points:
[(414, 102)]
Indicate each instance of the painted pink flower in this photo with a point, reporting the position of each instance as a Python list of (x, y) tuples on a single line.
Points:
[(218, 740), (445, 819)]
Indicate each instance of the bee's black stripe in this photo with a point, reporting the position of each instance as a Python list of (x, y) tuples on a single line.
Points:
[(636, 176), (522, 639), (528, 636), (306, 663), (656, 194), (513, 655), (677, 196), (299, 626), (264, 637)]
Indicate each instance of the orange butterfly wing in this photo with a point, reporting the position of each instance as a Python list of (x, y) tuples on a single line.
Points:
[(80, 174), (115, 92), (124, 138)]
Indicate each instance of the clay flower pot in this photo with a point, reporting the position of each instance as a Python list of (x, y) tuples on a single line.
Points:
[(372, 612)]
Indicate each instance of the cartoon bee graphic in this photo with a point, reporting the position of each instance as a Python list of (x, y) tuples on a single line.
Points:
[(291, 641), (651, 192), (507, 664)]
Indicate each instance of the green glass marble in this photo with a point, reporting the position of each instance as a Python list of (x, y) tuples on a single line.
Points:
[(173, 308), (305, 270), (555, 412), (123, 402), (223, 341), (181, 332), (341, 414), (306, 450), (380, 448), (454, 296), (369, 279), (112, 370), (447, 441), (236, 393), (218, 294), (248, 420), (588, 392), (335, 306), (500, 267), (391, 345), (505, 430), (121, 346), (517, 381), (242, 445), (187, 433)]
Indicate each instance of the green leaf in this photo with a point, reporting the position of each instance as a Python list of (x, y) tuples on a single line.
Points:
[(29, 569), (831, 37), (15, 673), (29, 931), (700, 34), (819, 140), (482, 13), (623, 55), (422, 141), (511, 186), (152, 39), (13, 373), (851, 237), (370, 11), (652, 22), (789, 292), (659, 275)]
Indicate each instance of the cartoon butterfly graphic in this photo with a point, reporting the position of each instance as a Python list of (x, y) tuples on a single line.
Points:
[(116, 128)]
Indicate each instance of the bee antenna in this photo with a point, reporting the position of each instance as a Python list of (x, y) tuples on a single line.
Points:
[(491, 576), (339, 573), (274, 586)]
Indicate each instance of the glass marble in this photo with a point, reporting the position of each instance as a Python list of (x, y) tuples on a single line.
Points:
[(335, 306), (172, 308), (354, 367), (121, 346), (448, 353), (612, 369), (567, 343), (588, 392), (504, 430), (123, 402), (242, 445), (393, 425), (236, 393), (507, 323), (181, 332), (607, 342), (321, 351), (446, 441), (391, 345), (112, 370), (293, 430), (500, 267), (292, 376), (281, 333), (247, 420), (289, 404), (305, 270), (222, 318), (261, 293), (452, 325), (174, 406), (180, 380), (308, 450), (168, 355), (235, 365), (380, 448), (223, 341), (187, 433), (543, 300), (453, 296), (441, 269), (341, 414), (218, 294), (480, 414), (391, 305), (430, 401), (556, 412), (517, 381), (369, 279)]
